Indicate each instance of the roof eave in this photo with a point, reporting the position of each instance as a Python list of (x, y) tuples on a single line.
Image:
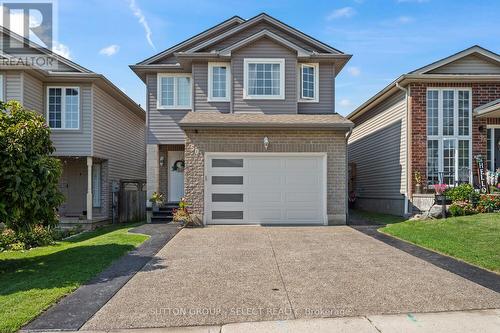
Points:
[(344, 126)]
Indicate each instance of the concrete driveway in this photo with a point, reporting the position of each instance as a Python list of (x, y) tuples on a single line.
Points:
[(220, 275)]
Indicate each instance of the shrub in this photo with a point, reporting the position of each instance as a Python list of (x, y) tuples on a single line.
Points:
[(488, 203), (461, 208), (462, 192), (17, 246), (29, 175), (38, 236), (7, 237)]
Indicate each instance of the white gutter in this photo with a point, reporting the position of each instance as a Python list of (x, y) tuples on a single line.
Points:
[(348, 135), (406, 200)]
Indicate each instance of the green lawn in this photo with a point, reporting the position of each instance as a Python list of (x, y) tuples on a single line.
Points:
[(474, 239), (376, 218), (31, 281)]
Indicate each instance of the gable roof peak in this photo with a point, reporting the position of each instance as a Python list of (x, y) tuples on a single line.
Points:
[(474, 49)]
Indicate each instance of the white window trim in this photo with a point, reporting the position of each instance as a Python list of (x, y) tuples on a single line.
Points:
[(494, 128), (2, 88), (159, 106), (63, 108), (210, 97), (248, 61), (456, 137), (303, 99)]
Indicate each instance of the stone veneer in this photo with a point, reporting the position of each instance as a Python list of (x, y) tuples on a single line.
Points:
[(250, 140)]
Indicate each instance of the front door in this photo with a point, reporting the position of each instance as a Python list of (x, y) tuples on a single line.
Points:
[(175, 175), (496, 144)]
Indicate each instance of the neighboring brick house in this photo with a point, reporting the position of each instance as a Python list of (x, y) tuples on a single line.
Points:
[(241, 121), (433, 120)]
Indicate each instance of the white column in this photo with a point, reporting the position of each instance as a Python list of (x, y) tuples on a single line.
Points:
[(89, 188), (152, 171)]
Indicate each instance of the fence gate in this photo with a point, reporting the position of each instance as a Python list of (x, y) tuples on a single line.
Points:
[(132, 200)]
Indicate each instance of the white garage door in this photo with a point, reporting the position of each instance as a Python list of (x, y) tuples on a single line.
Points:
[(265, 189)]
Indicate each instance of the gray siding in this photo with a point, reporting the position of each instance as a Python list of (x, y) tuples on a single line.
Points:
[(471, 64), (326, 103), (33, 93), (13, 86), (378, 147), (265, 48), (256, 28), (119, 137), (75, 142), (200, 80), (162, 125)]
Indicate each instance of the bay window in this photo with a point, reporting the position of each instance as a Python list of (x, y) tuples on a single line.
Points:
[(264, 78), (174, 91), (63, 107), (219, 82), (308, 84), (449, 145)]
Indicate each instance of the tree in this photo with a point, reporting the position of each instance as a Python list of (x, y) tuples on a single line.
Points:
[(29, 175)]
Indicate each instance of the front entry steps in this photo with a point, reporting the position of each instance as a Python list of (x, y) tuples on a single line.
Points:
[(165, 214)]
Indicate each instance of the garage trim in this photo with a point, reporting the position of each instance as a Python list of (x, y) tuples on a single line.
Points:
[(208, 155)]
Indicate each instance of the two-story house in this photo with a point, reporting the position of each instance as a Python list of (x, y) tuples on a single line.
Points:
[(241, 122), (432, 122), (97, 130)]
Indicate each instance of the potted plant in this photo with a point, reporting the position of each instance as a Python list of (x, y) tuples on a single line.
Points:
[(157, 200), (440, 198), (418, 182), (183, 216)]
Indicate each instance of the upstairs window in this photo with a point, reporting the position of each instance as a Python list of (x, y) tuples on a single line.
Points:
[(264, 79), (174, 91), (63, 104), (309, 82), (219, 76)]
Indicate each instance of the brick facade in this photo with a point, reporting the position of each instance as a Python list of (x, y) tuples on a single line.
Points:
[(482, 93), (250, 140)]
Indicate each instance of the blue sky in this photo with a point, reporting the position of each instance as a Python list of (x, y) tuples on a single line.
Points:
[(387, 38)]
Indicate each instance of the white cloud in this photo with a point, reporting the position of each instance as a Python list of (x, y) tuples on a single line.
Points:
[(353, 70), (405, 19), (142, 20), (344, 12), (110, 50), (61, 49), (345, 103)]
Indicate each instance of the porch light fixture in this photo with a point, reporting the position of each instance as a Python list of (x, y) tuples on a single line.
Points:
[(162, 161), (266, 143)]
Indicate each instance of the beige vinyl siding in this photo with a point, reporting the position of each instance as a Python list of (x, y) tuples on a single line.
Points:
[(265, 48), (326, 103), (119, 137), (33, 93), (74, 142), (255, 29), (13, 86), (162, 125), (471, 64), (200, 80), (378, 147)]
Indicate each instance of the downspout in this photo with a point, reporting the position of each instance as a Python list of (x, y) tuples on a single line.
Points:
[(407, 168), (348, 135)]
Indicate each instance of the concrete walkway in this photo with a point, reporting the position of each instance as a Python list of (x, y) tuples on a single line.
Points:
[(481, 321), (222, 275)]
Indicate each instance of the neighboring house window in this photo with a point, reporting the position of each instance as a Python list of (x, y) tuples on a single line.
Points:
[(63, 107), (449, 116), (219, 82), (96, 185), (174, 91), (1, 88), (309, 77), (264, 78)]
